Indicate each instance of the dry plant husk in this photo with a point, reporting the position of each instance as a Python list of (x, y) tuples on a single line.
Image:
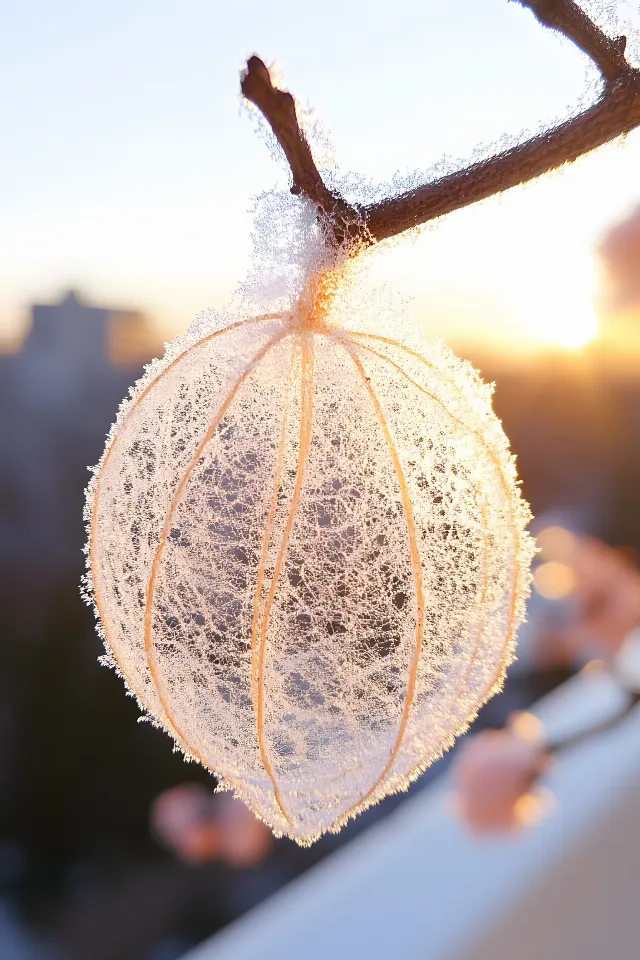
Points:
[(308, 556)]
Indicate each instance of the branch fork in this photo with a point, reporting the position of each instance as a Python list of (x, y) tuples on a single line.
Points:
[(346, 228)]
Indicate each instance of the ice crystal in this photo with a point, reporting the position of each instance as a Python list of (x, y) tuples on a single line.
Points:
[(308, 556)]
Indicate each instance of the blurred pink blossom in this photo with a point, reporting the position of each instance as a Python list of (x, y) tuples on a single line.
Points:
[(199, 825), (606, 595), (494, 774)]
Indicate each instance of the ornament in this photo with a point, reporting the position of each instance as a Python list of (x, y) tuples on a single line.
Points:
[(308, 557)]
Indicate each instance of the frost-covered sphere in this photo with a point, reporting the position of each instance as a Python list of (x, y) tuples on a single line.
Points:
[(308, 558)]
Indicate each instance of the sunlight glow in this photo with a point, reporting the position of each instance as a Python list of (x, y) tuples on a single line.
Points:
[(570, 328), (563, 315), (550, 283)]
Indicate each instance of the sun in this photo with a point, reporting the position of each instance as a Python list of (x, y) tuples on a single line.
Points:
[(561, 315), (571, 327)]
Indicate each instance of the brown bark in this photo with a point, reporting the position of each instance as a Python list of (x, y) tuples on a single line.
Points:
[(616, 112)]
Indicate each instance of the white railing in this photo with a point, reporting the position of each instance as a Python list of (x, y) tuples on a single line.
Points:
[(417, 886)]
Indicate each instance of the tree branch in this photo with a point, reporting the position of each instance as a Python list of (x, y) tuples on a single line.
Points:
[(568, 18), (613, 115), (278, 108), (601, 726), (617, 112)]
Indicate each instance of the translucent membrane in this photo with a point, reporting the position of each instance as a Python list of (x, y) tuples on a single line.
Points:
[(308, 558)]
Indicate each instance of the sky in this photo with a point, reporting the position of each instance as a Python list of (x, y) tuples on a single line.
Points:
[(129, 168)]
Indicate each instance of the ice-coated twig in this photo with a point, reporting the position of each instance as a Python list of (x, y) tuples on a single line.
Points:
[(571, 20), (340, 220), (616, 112)]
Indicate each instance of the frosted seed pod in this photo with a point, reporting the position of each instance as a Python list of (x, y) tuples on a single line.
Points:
[(308, 557)]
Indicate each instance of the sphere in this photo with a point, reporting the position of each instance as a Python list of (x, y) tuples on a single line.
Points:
[(308, 556)]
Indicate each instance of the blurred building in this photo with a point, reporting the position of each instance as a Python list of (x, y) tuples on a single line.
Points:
[(73, 336), (58, 396)]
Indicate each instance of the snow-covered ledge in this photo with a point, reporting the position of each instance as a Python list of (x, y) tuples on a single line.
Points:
[(416, 886)]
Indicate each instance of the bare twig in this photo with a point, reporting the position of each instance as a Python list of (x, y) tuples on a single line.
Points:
[(278, 108), (617, 112), (571, 20), (602, 726), (613, 115)]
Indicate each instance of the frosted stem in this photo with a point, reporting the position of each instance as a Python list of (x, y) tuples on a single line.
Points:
[(617, 112)]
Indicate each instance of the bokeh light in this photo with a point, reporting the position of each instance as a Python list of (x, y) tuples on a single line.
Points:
[(556, 543), (554, 581)]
